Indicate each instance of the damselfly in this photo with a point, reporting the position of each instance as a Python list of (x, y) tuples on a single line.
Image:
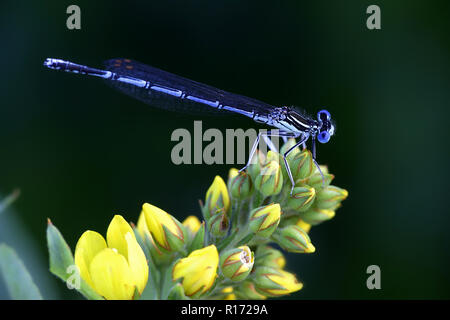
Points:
[(171, 92)]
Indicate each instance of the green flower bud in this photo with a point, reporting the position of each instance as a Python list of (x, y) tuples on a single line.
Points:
[(218, 224), (289, 144), (330, 197), (264, 220), (314, 216), (236, 263), (293, 239), (302, 165), (316, 181), (302, 198), (257, 163), (269, 257), (270, 180), (240, 185), (247, 291), (275, 282)]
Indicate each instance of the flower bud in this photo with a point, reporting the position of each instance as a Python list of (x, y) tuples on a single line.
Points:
[(302, 165), (289, 144), (240, 185), (236, 263), (315, 180), (257, 163), (270, 180), (247, 291), (167, 231), (264, 220), (294, 239), (303, 225), (275, 282), (302, 198), (284, 148), (217, 198), (192, 224), (314, 216), (159, 256), (269, 257), (198, 271), (218, 224), (330, 197), (233, 172)]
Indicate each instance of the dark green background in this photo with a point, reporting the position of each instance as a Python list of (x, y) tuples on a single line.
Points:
[(81, 152)]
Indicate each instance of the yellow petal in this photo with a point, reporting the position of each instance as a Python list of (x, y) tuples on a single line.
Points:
[(218, 189), (192, 223), (88, 246), (156, 219), (303, 225), (198, 270), (111, 276), (137, 262), (142, 225), (115, 235), (287, 280)]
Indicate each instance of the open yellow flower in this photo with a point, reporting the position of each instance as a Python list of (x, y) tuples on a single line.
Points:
[(198, 270), (113, 268)]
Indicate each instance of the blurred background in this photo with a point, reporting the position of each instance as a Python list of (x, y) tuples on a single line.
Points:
[(81, 152)]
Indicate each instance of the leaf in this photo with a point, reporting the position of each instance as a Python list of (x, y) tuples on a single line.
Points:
[(18, 281), (7, 201), (61, 261)]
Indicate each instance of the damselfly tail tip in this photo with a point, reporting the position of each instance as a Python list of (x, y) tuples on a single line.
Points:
[(52, 63)]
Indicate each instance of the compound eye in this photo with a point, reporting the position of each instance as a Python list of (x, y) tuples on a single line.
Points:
[(323, 137), (323, 115)]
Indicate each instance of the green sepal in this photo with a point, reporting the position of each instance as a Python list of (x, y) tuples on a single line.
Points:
[(199, 239), (177, 293), (150, 291), (61, 259)]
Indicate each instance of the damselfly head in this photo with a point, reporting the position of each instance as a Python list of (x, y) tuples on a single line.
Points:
[(326, 127)]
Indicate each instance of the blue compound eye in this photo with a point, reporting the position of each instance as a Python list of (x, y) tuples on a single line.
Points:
[(323, 137), (323, 115)]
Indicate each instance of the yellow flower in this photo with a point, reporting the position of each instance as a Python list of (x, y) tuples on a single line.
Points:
[(275, 282), (192, 223), (217, 197), (264, 220), (113, 268), (166, 231), (198, 270)]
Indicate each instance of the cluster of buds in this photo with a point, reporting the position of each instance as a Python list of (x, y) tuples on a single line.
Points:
[(231, 254)]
